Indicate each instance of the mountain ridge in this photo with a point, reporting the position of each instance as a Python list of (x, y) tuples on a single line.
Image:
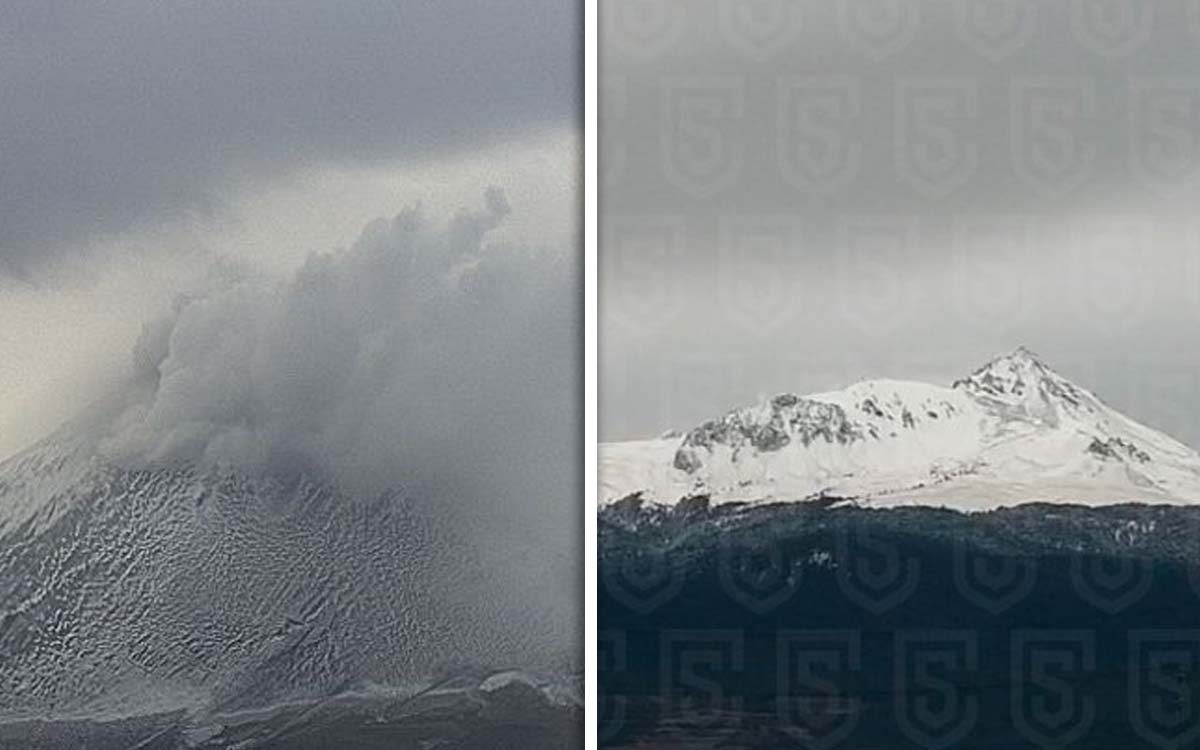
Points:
[(1012, 431)]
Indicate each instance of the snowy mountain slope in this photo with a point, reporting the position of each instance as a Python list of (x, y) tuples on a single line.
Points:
[(1013, 431), (125, 592)]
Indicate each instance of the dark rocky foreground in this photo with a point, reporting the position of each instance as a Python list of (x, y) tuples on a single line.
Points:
[(516, 717), (806, 625)]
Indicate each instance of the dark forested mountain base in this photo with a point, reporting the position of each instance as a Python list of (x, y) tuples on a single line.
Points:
[(801, 626)]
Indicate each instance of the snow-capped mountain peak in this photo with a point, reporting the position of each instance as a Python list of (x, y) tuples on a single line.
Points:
[(1012, 431), (1024, 387)]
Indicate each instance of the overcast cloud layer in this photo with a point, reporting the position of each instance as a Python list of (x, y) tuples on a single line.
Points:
[(130, 113), (798, 195), (143, 142)]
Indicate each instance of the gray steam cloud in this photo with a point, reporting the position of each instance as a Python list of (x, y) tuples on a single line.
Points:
[(419, 349), (424, 360)]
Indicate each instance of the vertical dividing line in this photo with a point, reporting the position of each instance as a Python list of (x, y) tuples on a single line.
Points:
[(591, 245)]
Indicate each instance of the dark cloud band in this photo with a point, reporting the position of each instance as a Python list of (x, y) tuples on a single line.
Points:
[(132, 112)]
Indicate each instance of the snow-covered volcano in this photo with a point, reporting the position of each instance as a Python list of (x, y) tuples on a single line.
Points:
[(1013, 431), (130, 592)]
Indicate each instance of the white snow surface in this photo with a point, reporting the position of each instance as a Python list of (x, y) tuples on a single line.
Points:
[(1012, 432)]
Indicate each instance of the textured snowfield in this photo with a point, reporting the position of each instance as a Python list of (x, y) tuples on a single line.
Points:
[(1012, 432), (130, 593)]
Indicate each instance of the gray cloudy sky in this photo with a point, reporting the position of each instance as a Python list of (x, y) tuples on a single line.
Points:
[(141, 142), (798, 195), (132, 112)]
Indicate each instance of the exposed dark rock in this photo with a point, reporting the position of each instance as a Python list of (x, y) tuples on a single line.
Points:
[(1117, 449)]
